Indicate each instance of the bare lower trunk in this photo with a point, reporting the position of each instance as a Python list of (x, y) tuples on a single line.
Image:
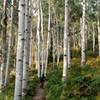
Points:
[(83, 49), (65, 59), (69, 58), (31, 51), (4, 29), (48, 42), (26, 49), (10, 45), (53, 50), (42, 70), (98, 25), (38, 38), (58, 41), (58, 49), (20, 51), (93, 39)]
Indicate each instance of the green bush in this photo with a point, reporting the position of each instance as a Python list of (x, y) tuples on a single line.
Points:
[(75, 52), (31, 88), (82, 84), (90, 53)]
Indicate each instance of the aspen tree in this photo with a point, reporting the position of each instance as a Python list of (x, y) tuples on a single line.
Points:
[(65, 59), (48, 39), (10, 47), (4, 45), (42, 36), (38, 38), (83, 48), (20, 51), (98, 25), (93, 38), (26, 49)]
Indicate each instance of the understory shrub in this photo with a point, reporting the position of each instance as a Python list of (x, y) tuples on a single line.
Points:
[(82, 84)]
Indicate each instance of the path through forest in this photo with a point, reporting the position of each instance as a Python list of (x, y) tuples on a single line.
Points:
[(39, 94)]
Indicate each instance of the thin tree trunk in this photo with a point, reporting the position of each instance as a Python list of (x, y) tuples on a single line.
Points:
[(36, 57), (10, 44), (53, 50), (58, 39), (31, 51), (42, 71), (20, 51), (98, 25), (58, 49), (83, 48), (65, 59), (93, 38), (4, 29), (74, 46), (86, 40), (38, 38), (48, 40), (69, 58), (26, 49)]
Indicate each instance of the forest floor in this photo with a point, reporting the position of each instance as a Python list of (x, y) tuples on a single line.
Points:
[(39, 93)]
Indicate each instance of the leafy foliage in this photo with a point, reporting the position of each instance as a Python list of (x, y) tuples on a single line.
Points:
[(82, 84)]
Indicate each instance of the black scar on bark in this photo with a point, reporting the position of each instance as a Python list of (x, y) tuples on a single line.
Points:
[(20, 60)]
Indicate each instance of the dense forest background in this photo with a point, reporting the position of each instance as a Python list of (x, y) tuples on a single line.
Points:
[(58, 40)]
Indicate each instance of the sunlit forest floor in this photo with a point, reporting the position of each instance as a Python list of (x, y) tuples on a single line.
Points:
[(83, 83)]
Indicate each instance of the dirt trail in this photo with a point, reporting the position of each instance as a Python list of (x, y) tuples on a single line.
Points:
[(40, 95)]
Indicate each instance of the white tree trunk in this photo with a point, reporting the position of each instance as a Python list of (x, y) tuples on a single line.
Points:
[(86, 37), (20, 51), (93, 39), (48, 41), (31, 51), (83, 49), (54, 44), (10, 44), (38, 38), (58, 48), (58, 39), (69, 58), (98, 25), (42, 71), (26, 49), (74, 46), (36, 58), (4, 28), (65, 60), (31, 34)]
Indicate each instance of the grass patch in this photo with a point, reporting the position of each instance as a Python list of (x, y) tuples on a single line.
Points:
[(8, 92), (82, 84)]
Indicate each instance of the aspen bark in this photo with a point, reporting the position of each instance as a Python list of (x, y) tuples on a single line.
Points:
[(93, 38), (69, 57), (4, 29), (20, 51), (83, 48), (42, 70), (26, 49), (98, 25), (31, 51), (58, 49), (10, 47), (38, 38), (48, 40), (53, 50), (58, 41), (65, 59)]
